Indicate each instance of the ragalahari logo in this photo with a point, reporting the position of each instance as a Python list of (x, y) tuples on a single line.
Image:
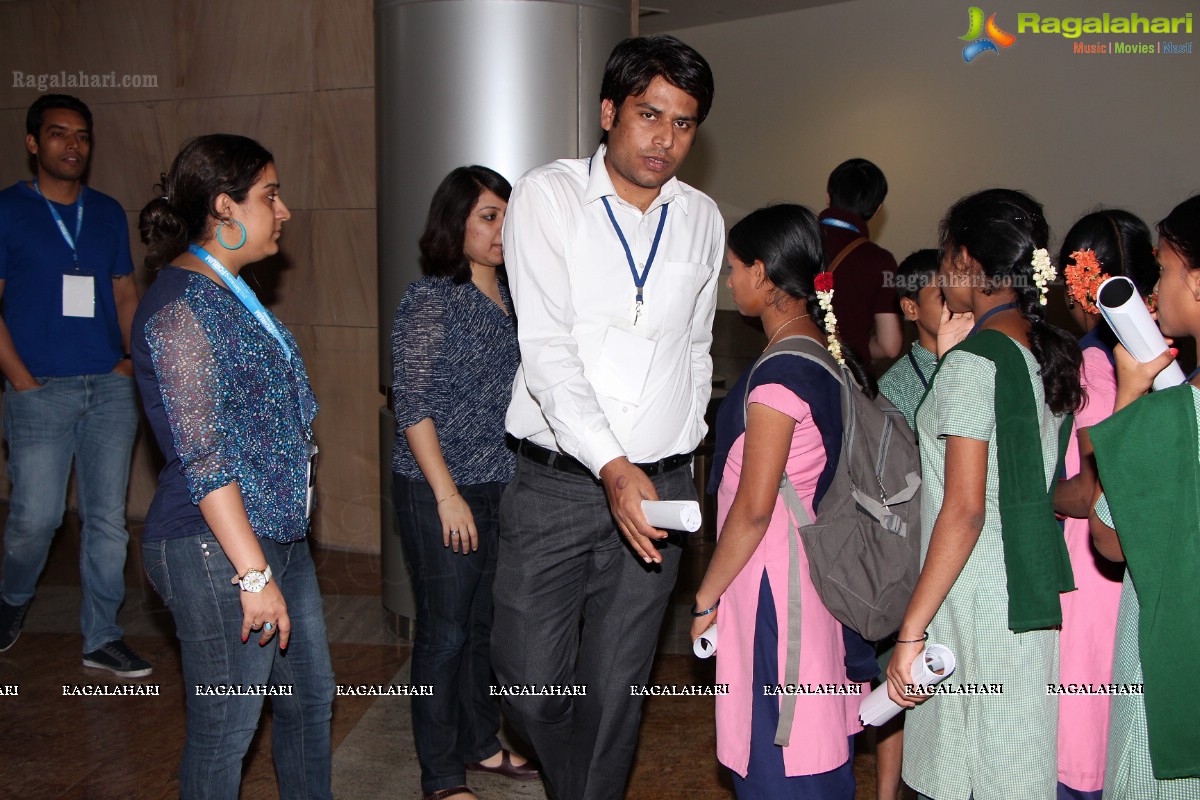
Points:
[(982, 38)]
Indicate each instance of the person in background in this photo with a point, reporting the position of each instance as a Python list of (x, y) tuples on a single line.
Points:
[(906, 381), (454, 354), (865, 304), (1100, 245), (1153, 525), (227, 396), (784, 417), (991, 432), (905, 384), (69, 297)]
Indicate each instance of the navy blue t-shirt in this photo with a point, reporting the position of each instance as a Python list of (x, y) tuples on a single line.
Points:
[(34, 257)]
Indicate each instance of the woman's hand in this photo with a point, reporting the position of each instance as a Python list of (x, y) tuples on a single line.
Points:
[(701, 624), (952, 329), (458, 525), (260, 609), (1134, 378), (899, 674)]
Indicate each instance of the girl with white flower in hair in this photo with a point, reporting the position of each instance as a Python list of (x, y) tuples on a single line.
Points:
[(992, 430)]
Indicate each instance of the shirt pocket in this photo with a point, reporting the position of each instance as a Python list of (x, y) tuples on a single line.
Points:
[(675, 296)]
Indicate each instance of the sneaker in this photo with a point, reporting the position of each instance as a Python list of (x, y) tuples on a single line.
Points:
[(117, 658), (11, 620)]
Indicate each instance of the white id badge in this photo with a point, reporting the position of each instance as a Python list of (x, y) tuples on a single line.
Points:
[(79, 296), (310, 480), (624, 365)]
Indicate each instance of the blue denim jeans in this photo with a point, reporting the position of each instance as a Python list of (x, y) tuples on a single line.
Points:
[(192, 575), (452, 645), (93, 419)]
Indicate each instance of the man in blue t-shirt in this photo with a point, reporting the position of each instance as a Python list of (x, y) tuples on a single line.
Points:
[(66, 282)]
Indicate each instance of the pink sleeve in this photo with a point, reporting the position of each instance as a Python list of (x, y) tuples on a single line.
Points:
[(1100, 382), (775, 396)]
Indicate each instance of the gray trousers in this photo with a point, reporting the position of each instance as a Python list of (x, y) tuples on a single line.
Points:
[(576, 607)]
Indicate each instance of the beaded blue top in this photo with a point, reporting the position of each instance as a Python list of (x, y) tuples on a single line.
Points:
[(454, 357), (225, 405)]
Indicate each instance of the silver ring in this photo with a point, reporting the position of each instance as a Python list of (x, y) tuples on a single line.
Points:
[(269, 627), (454, 533)]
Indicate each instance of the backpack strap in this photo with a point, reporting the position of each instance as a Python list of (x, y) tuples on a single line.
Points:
[(797, 518), (847, 250)]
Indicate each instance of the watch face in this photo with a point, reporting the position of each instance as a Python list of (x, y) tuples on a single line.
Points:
[(253, 581)]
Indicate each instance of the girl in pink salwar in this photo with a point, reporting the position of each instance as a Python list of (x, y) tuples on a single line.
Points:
[(784, 416)]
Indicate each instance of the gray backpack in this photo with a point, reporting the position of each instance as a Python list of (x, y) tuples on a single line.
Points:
[(864, 548)]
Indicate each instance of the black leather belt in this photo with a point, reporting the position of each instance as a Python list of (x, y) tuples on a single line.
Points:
[(565, 463)]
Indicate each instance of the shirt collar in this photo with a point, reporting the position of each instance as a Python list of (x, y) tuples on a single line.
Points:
[(600, 185), (923, 356), (847, 216)]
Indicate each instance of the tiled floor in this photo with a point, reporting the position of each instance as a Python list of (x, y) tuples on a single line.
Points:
[(96, 748)]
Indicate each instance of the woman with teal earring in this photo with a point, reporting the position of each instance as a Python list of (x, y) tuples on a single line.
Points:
[(229, 401)]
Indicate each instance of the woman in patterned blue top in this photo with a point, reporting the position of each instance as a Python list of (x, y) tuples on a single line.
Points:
[(454, 355), (228, 398)]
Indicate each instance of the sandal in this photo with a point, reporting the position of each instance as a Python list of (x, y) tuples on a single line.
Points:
[(518, 772), (453, 791)]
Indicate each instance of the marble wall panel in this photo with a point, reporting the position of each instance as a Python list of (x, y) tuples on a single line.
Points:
[(14, 158), (124, 48), (344, 148), (134, 144), (229, 47), (341, 363), (343, 44), (337, 284), (281, 122)]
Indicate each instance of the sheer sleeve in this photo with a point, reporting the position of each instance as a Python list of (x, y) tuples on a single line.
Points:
[(193, 386), (418, 337)]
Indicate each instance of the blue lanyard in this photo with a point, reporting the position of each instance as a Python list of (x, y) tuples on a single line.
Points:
[(243, 293), (62, 226), (991, 313), (838, 223), (917, 369), (639, 281)]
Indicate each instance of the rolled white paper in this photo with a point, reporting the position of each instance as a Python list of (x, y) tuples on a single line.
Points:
[(1127, 315), (934, 665), (706, 643), (674, 515)]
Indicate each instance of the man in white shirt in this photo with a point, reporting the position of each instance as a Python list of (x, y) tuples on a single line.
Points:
[(613, 265)]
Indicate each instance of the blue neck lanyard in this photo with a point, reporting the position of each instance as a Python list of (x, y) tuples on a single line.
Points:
[(62, 226), (639, 281), (917, 369), (838, 223), (992, 313), (243, 293)]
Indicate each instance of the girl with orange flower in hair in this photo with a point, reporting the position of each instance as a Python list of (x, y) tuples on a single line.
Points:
[(1100, 245)]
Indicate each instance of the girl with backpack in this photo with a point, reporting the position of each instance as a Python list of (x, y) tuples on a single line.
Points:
[(991, 430), (783, 416)]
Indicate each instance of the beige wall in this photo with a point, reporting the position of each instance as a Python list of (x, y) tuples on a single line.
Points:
[(298, 76), (799, 92)]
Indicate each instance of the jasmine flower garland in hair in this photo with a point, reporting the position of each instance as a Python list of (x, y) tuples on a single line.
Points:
[(824, 286), (1043, 272)]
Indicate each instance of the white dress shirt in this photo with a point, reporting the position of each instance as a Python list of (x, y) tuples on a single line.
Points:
[(571, 282)]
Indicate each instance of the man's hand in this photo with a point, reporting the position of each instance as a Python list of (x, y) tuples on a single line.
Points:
[(626, 487), (124, 367)]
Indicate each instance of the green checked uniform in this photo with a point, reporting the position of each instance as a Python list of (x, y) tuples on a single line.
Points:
[(903, 384), (1129, 773), (990, 746)]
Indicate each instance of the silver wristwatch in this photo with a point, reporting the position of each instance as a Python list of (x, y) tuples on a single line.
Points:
[(255, 580)]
